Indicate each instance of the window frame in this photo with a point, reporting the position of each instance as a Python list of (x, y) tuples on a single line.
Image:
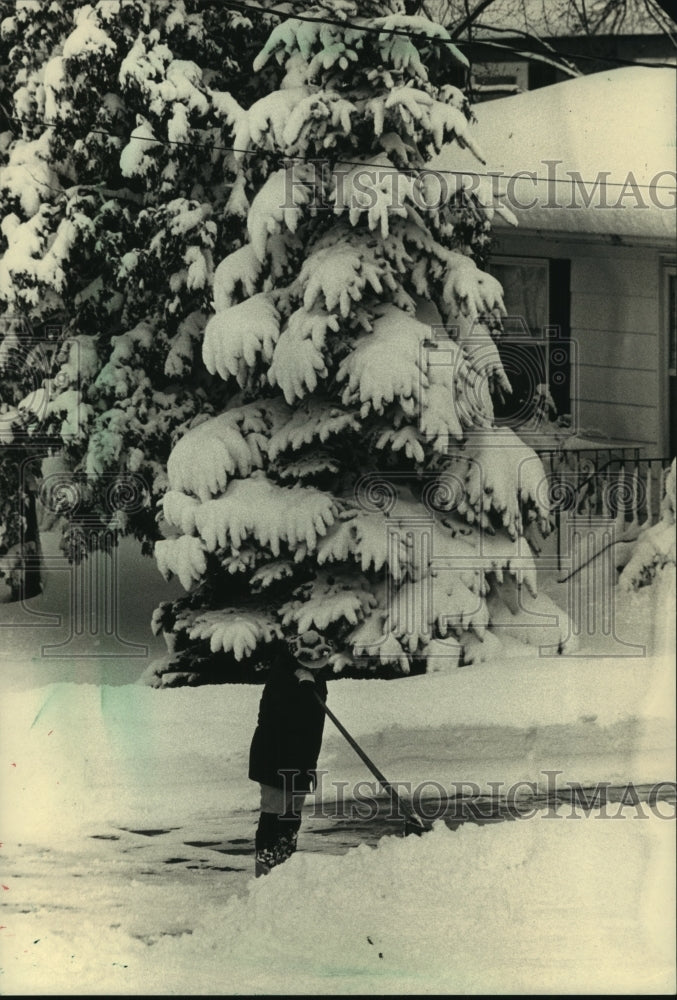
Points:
[(668, 411), (526, 261), (559, 350)]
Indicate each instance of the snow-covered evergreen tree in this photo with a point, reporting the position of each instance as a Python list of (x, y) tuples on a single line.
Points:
[(116, 197), (352, 333)]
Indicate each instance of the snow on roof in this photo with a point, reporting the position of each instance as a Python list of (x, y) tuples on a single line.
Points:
[(595, 154)]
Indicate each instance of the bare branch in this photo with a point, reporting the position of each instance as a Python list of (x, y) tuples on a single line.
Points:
[(470, 18)]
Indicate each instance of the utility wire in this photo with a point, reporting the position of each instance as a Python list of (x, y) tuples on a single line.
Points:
[(243, 7), (412, 171)]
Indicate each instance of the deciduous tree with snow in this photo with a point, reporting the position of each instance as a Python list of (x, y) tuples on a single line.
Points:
[(355, 483)]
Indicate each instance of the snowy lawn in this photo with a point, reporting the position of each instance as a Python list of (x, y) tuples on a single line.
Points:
[(128, 823)]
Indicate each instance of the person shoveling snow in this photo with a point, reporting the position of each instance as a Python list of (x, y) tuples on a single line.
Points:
[(286, 744)]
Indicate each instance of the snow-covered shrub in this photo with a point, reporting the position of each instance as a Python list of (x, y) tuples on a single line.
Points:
[(654, 547)]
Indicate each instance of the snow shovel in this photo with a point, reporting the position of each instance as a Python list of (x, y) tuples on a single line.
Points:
[(413, 823)]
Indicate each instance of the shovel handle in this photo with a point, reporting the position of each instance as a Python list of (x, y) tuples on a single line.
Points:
[(409, 813)]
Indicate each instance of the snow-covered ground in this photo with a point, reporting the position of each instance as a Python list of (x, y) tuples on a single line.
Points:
[(539, 906), (128, 822)]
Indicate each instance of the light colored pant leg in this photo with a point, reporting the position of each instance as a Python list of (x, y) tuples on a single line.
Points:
[(279, 801)]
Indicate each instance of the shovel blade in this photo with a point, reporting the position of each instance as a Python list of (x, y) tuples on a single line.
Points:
[(415, 825)]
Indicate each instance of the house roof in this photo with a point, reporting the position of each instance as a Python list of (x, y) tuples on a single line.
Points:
[(615, 130)]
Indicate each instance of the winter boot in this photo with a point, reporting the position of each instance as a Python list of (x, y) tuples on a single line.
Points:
[(275, 841)]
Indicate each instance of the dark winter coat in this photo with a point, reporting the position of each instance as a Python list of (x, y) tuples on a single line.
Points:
[(288, 734)]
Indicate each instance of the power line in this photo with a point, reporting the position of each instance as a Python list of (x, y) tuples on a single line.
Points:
[(413, 171), (512, 32), (242, 6)]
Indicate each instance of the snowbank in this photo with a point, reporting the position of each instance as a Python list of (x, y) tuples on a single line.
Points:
[(548, 906), (90, 754), (497, 910)]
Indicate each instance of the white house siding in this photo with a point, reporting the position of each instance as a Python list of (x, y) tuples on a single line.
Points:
[(619, 386), (619, 125), (615, 320)]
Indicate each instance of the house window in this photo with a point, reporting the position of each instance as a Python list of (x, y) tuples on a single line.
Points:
[(543, 74), (672, 324), (671, 320), (534, 347), (491, 80)]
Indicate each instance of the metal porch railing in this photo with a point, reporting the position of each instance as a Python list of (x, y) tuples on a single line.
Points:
[(617, 484)]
